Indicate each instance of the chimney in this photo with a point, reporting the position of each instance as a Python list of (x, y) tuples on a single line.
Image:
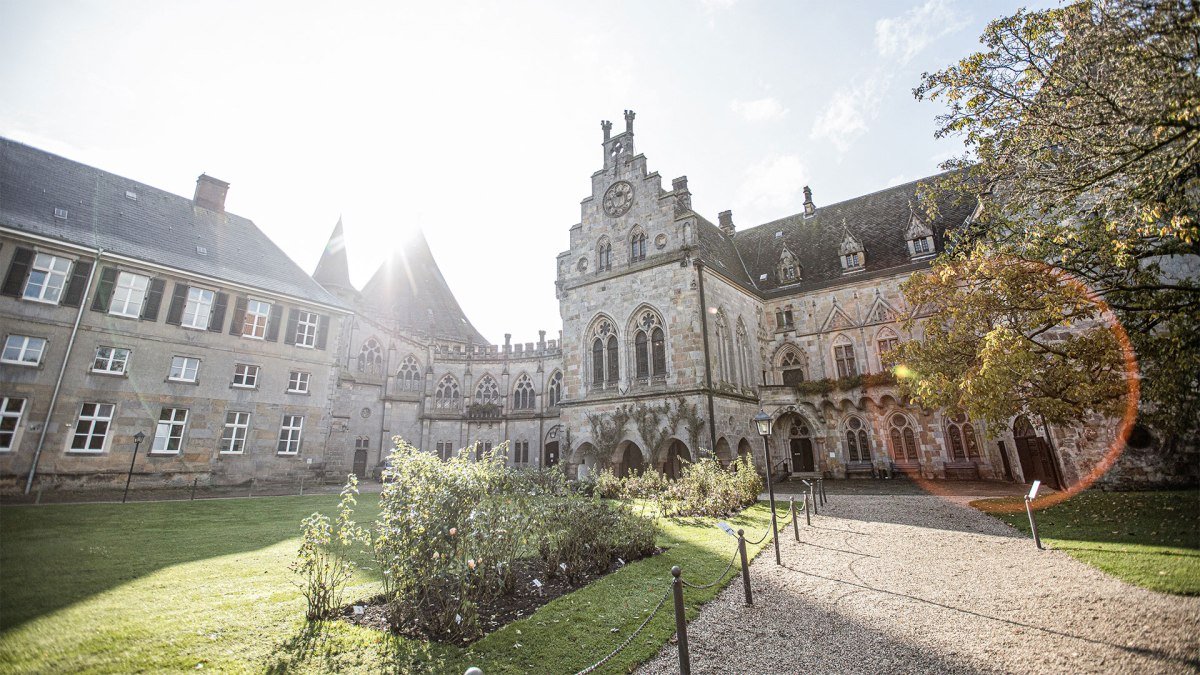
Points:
[(725, 222), (210, 193), (683, 197), (809, 207)]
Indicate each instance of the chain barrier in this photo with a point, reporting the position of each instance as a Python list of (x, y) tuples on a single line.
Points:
[(629, 639), (719, 576)]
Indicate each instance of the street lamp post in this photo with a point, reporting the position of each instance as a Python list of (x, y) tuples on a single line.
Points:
[(763, 420), (137, 441)]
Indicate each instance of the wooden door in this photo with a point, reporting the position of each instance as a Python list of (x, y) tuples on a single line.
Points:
[(802, 456), (360, 463), (551, 453)]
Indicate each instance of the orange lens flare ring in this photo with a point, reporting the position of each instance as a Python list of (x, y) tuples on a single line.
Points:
[(1125, 424)]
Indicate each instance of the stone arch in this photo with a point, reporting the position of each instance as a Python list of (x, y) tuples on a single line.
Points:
[(671, 456), (796, 435), (584, 457), (370, 356), (523, 397), (744, 449), (603, 358), (487, 390), (790, 364), (556, 388), (723, 452), (409, 375), (854, 433), (446, 396), (903, 438), (628, 458)]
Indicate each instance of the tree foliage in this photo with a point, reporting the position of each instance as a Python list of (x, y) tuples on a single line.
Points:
[(1082, 130)]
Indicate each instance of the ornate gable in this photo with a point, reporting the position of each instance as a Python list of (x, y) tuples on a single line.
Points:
[(838, 319)]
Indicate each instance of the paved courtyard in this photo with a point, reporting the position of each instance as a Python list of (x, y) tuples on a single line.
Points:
[(921, 583)]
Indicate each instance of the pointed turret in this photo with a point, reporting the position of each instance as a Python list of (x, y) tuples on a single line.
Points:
[(333, 271), (409, 288)]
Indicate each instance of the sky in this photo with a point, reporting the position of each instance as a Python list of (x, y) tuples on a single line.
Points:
[(479, 122)]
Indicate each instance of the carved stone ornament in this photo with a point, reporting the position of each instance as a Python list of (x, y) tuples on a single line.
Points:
[(618, 199), (660, 241), (582, 265), (365, 413)]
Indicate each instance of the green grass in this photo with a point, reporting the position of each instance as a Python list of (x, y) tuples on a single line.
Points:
[(172, 586), (1151, 539)]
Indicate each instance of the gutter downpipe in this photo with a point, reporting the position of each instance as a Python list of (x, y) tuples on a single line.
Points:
[(87, 289), (712, 428)]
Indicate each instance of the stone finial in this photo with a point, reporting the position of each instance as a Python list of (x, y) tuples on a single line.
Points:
[(725, 222), (683, 198), (809, 207), (606, 126), (679, 184), (629, 115)]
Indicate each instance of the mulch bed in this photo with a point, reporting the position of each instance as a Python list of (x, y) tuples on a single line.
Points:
[(525, 599)]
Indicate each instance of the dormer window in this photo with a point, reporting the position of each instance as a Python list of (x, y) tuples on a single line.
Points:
[(788, 270), (919, 236), (853, 258)]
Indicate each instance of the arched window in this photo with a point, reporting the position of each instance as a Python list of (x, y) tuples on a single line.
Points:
[(960, 434), (554, 392), (792, 366), (605, 368), (904, 439), (603, 255), (858, 444), (409, 375), (523, 394), (370, 357), (649, 346), (743, 353), (487, 391), (446, 396), (843, 357), (724, 350), (637, 246), (887, 341), (788, 270)]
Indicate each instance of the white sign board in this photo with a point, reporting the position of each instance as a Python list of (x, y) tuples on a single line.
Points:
[(728, 530), (1037, 484), (806, 483)]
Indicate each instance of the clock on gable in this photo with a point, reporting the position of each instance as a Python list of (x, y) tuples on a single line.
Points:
[(618, 199)]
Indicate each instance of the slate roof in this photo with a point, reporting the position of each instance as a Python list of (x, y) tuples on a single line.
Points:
[(878, 220), (409, 289), (157, 227), (333, 269)]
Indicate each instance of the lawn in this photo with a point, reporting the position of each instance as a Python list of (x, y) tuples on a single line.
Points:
[(175, 586), (1151, 539)]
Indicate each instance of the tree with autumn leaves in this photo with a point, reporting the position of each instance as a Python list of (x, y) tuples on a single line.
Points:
[(1082, 132)]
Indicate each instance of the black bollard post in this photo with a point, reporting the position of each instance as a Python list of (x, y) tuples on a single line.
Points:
[(1033, 523), (301, 486), (807, 511), (812, 498), (251, 492), (824, 496), (745, 567), (795, 523), (194, 481), (685, 665)]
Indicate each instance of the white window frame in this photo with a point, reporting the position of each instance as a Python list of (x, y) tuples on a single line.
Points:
[(112, 358), (51, 268), (298, 382), (306, 329), (254, 325), (198, 308), (235, 433), (10, 422), (291, 432), (129, 295), (92, 420), (169, 428), (247, 373), (23, 346), (182, 367)]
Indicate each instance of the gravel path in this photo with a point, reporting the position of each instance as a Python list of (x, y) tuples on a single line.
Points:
[(928, 584)]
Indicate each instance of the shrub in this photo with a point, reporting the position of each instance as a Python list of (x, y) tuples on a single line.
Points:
[(324, 560), (648, 484), (607, 485), (450, 533), (708, 489)]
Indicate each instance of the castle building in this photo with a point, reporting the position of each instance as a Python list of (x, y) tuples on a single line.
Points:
[(129, 309)]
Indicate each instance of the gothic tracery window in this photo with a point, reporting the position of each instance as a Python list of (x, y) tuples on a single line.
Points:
[(858, 445), (788, 270), (409, 375), (487, 391), (370, 357), (637, 246), (887, 341), (960, 434), (554, 392), (604, 255), (903, 438), (447, 396), (792, 366), (649, 346), (743, 355), (523, 394), (605, 367)]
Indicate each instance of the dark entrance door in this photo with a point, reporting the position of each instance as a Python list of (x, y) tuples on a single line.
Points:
[(552, 453), (802, 455), (1037, 462), (360, 462)]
